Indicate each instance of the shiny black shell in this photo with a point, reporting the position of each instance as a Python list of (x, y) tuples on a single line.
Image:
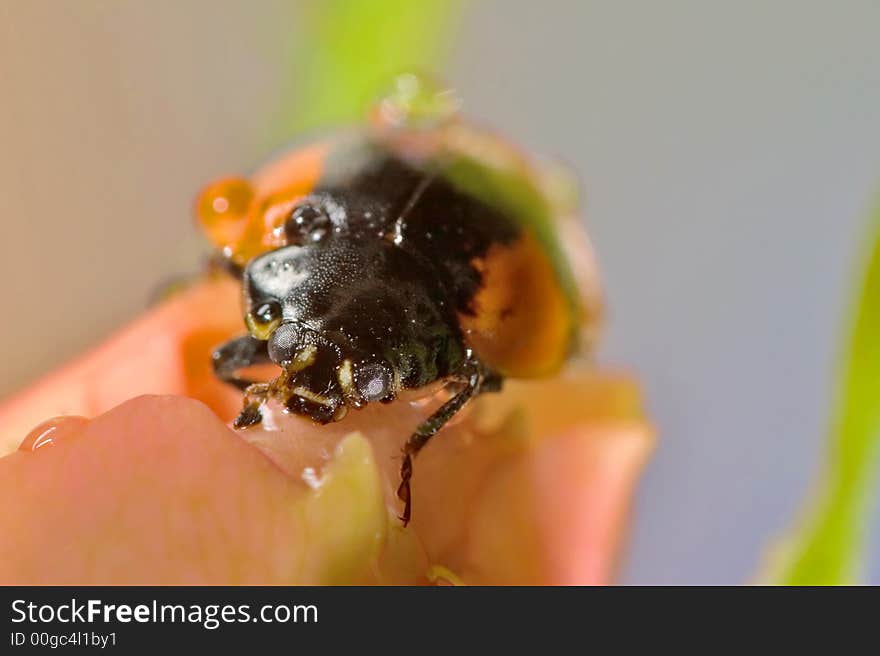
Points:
[(393, 260)]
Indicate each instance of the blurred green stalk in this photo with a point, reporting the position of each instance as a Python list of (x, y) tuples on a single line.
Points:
[(345, 52), (828, 549)]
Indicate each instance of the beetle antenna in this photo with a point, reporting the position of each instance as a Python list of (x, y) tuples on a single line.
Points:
[(414, 197)]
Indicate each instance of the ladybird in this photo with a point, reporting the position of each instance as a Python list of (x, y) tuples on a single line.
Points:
[(414, 249)]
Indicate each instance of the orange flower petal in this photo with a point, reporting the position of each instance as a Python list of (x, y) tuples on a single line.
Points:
[(532, 486)]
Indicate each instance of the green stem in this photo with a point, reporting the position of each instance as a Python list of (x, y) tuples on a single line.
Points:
[(345, 51), (829, 548)]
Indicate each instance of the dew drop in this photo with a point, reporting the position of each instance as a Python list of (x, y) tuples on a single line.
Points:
[(311, 477), (222, 210), (51, 431), (416, 102)]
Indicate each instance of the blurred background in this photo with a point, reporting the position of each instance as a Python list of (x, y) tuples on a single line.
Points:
[(729, 153)]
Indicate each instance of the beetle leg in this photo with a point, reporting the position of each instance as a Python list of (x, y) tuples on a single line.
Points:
[(217, 264), (254, 398), (237, 354), (476, 379), (224, 263)]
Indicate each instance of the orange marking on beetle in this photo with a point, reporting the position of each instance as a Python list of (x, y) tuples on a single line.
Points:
[(522, 325)]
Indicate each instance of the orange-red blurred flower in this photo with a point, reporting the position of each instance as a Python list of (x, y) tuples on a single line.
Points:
[(533, 485)]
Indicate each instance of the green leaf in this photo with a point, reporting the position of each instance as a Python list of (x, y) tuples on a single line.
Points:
[(518, 196), (344, 52), (828, 549)]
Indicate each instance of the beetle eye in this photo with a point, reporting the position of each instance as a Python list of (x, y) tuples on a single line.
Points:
[(264, 319), (373, 382), (307, 223)]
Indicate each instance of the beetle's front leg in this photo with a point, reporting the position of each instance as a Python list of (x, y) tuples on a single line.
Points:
[(254, 398), (238, 354)]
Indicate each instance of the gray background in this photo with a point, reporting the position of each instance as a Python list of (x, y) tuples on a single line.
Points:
[(729, 152)]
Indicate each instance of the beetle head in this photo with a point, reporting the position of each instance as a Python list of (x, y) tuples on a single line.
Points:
[(289, 295)]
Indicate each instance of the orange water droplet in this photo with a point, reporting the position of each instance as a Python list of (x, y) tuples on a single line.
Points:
[(51, 431), (222, 210)]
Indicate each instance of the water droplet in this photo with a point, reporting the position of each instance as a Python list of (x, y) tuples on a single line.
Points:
[(51, 431), (416, 102), (310, 476), (222, 210), (560, 185)]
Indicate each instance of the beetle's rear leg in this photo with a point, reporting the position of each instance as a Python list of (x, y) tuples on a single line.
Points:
[(476, 378), (233, 356)]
